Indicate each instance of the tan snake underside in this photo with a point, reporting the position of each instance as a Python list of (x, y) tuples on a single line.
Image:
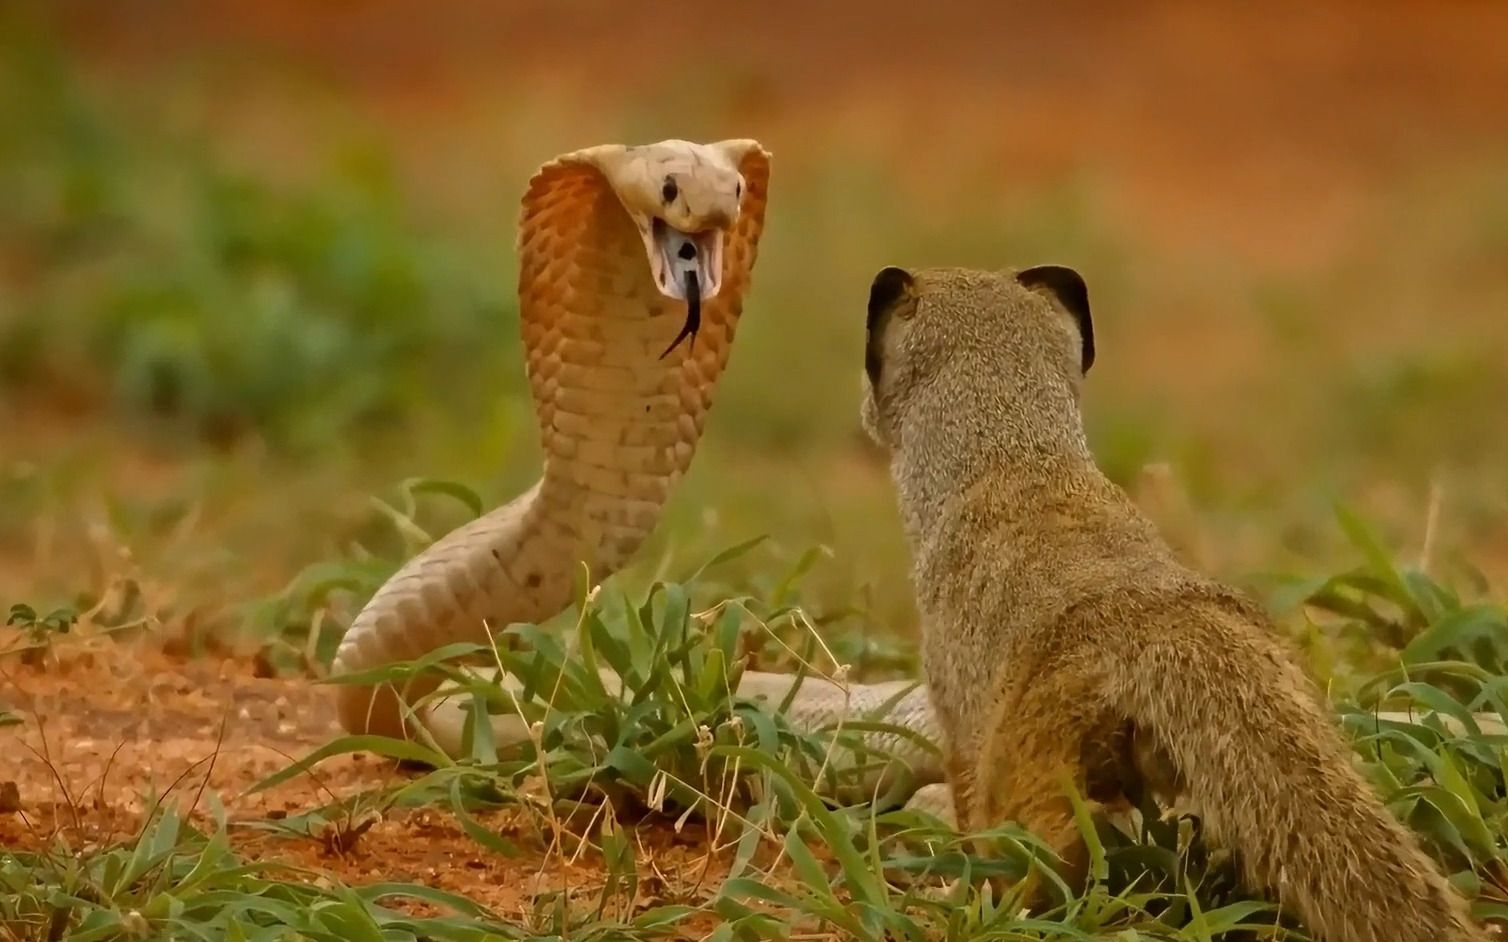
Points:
[(604, 293)]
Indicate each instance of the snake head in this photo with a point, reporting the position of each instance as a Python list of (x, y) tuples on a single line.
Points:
[(684, 198)]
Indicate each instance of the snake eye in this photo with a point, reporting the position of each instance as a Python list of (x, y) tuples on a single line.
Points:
[(669, 191), (738, 191)]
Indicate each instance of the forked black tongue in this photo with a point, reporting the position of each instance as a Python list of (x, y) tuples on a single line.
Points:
[(693, 313)]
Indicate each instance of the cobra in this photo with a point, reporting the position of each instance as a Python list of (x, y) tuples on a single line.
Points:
[(634, 264)]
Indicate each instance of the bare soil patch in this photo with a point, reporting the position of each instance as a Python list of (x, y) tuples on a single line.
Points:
[(110, 728)]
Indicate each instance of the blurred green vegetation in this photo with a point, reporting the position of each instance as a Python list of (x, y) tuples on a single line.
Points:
[(145, 273), (261, 345)]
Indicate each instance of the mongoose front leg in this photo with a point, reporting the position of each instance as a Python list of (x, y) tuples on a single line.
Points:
[(960, 784), (1030, 754)]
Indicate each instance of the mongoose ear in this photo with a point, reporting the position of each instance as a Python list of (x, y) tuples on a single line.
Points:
[(889, 287), (1067, 288)]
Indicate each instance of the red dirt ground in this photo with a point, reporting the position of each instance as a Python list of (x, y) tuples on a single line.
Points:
[(112, 727)]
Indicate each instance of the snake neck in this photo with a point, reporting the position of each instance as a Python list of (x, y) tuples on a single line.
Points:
[(600, 517)]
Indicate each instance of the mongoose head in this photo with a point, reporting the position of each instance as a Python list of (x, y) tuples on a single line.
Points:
[(975, 373), (1010, 338)]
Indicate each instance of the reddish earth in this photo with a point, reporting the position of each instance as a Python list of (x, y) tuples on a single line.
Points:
[(110, 728)]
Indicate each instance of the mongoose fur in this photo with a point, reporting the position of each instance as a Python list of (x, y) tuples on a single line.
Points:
[(1063, 641)]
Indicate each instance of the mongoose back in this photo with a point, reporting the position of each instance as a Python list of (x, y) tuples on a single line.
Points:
[(1064, 642)]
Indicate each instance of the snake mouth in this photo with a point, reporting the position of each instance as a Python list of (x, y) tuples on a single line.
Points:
[(673, 254), (687, 266)]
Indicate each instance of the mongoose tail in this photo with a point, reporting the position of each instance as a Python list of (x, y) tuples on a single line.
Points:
[(1279, 786)]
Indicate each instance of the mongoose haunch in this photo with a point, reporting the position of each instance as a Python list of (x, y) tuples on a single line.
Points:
[(1064, 642)]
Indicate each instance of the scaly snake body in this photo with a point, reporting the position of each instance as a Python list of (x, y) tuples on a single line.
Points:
[(633, 266)]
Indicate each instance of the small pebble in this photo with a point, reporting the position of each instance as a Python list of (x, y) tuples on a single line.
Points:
[(10, 798)]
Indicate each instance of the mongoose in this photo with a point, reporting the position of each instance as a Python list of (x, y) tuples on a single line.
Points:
[(1063, 642)]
